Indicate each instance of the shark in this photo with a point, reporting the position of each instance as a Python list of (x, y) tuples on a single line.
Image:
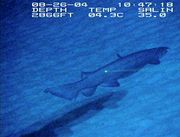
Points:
[(109, 74)]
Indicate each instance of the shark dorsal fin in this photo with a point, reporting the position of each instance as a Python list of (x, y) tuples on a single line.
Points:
[(85, 74), (119, 56)]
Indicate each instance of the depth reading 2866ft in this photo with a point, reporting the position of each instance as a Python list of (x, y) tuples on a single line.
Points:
[(119, 10)]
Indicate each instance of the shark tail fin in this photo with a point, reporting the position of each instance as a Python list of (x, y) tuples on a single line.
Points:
[(66, 91)]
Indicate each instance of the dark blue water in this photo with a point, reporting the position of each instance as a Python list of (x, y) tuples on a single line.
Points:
[(40, 53)]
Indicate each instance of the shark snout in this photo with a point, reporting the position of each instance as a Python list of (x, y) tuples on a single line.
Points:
[(163, 48), (162, 51)]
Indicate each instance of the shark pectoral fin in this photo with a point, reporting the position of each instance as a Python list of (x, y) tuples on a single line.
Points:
[(119, 56), (85, 74), (112, 83), (89, 91), (155, 62)]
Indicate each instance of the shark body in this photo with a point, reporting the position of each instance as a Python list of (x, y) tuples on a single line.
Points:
[(109, 74)]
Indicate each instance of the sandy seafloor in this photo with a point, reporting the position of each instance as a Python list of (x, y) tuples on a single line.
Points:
[(41, 53)]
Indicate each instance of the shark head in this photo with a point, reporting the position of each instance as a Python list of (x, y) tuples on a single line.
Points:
[(161, 51), (154, 55)]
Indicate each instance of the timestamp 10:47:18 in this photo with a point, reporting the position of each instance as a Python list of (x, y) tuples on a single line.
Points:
[(145, 4)]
